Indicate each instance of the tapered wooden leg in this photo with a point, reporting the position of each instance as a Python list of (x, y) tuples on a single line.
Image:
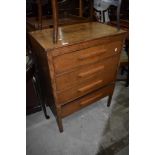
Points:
[(59, 119), (109, 100)]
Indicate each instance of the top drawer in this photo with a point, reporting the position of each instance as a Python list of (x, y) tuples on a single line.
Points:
[(90, 55)]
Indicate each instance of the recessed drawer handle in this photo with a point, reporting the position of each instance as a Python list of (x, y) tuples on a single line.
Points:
[(92, 54), (90, 99), (91, 71), (83, 89)]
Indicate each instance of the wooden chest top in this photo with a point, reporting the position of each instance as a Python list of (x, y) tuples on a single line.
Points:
[(72, 34)]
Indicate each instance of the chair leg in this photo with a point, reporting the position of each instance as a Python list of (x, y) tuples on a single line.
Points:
[(44, 110), (38, 92), (109, 100)]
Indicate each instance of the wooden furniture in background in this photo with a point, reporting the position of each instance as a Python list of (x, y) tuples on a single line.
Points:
[(80, 68), (34, 101), (65, 17)]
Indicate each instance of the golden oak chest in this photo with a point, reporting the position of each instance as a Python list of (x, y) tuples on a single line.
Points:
[(80, 68)]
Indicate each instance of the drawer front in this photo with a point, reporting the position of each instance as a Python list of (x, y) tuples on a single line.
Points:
[(78, 104), (90, 55), (87, 73), (85, 87)]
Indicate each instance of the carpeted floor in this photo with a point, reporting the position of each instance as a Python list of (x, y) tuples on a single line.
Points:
[(94, 130)]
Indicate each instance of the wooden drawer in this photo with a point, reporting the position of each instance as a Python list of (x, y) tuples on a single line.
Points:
[(90, 55), (87, 73), (71, 107), (84, 88)]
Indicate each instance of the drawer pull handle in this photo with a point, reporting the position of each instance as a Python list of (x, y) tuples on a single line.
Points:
[(91, 71), (90, 99), (83, 89), (92, 54)]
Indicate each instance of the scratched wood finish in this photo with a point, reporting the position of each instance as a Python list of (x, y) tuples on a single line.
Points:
[(81, 67)]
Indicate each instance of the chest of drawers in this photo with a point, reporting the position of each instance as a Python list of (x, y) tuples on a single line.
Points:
[(81, 68)]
